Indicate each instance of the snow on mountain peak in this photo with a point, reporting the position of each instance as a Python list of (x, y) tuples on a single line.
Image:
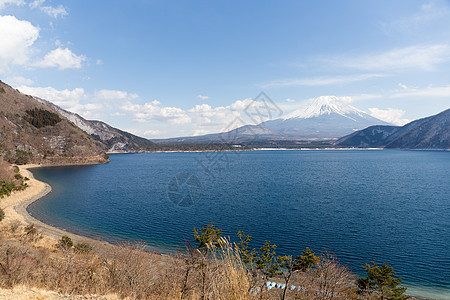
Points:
[(325, 105)]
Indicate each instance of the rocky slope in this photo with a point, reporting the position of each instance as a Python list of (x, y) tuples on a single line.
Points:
[(111, 139), (31, 132), (427, 133)]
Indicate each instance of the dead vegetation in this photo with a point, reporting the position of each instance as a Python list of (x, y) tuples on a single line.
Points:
[(130, 271)]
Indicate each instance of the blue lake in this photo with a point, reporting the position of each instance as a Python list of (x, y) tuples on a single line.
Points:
[(363, 205)]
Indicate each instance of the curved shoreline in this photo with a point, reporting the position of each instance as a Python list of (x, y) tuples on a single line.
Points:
[(16, 206)]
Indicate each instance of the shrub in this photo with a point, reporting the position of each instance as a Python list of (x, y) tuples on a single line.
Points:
[(65, 242), (83, 248), (21, 158), (2, 214), (31, 232), (6, 187)]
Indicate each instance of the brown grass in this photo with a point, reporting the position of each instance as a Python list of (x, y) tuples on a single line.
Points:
[(6, 172), (129, 271)]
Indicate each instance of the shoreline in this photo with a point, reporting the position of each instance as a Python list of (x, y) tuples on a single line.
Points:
[(15, 208)]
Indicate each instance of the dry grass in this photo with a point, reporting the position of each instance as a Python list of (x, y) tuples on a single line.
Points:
[(128, 271), (6, 172), (131, 272)]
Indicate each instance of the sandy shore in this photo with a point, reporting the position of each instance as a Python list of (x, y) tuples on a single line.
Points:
[(15, 207)]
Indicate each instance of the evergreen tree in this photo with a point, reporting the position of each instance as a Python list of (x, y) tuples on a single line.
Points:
[(381, 280)]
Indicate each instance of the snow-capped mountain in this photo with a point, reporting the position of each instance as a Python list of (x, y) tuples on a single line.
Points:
[(324, 105), (326, 117), (322, 117)]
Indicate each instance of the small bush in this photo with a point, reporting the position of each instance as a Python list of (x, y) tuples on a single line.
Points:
[(18, 176), (65, 242), (2, 214), (82, 248), (30, 231), (20, 158), (16, 169)]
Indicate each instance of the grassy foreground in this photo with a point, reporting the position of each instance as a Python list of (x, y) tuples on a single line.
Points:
[(214, 270)]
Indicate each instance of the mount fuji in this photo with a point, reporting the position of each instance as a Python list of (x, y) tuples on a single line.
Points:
[(322, 118)]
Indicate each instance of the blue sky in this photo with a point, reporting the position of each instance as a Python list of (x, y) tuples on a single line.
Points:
[(175, 68)]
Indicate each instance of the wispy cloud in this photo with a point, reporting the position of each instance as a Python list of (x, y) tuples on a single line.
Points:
[(320, 81), (3, 3), (54, 12), (202, 97), (427, 12), (430, 91), (424, 57)]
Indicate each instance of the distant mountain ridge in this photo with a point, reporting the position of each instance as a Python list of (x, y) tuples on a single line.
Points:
[(428, 133), (322, 118), (112, 139)]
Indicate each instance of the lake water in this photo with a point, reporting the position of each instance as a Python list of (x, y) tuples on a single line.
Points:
[(363, 205)]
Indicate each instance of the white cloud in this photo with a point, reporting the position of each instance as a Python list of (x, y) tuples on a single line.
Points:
[(402, 86), (68, 99), (18, 80), (152, 133), (200, 119), (3, 3), (439, 92), (202, 97), (54, 12), (290, 100), (390, 115), (154, 111), (428, 12), (114, 95), (71, 100), (198, 132), (62, 59), (424, 57), (318, 81), (17, 37)]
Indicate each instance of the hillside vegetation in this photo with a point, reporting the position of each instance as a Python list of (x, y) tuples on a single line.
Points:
[(10, 180), (215, 268), (31, 132)]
